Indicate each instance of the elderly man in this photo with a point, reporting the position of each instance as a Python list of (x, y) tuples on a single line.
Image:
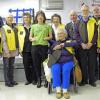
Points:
[(72, 27), (72, 30), (87, 51), (96, 16), (1, 24), (10, 49)]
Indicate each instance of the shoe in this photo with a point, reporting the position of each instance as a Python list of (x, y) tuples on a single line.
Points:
[(93, 84), (14, 83), (58, 95), (81, 84), (34, 82), (39, 84), (66, 95), (9, 85), (27, 83), (46, 84)]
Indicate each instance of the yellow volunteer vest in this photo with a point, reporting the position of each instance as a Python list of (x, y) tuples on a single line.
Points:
[(70, 49), (10, 37), (61, 26), (90, 29), (98, 41), (21, 36)]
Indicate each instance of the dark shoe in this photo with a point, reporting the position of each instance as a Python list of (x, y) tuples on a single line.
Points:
[(27, 83), (9, 85), (46, 84), (34, 82), (81, 84), (39, 84), (14, 83), (93, 84)]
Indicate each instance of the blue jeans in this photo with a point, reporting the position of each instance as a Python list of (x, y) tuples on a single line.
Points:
[(61, 74), (8, 69)]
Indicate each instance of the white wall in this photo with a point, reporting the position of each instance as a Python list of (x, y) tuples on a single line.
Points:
[(20, 4), (68, 5)]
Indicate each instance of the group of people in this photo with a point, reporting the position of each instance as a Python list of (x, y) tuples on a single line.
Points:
[(34, 42)]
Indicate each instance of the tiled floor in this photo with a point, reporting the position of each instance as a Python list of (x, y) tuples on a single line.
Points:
[(30, 92)]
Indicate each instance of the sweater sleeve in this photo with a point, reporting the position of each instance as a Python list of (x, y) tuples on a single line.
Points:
[(4, 41), (70, 43)]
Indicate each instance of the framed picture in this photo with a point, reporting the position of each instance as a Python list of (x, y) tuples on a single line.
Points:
[(96, 3)]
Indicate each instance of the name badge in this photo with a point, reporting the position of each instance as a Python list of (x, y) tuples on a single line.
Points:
[(9, 31), (21, 32)]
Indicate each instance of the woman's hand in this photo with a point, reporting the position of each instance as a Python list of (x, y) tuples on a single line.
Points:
[(33, 39), (57, 47), (62, 45), (46, 38)]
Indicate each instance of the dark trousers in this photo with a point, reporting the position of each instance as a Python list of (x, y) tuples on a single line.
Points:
[(97, 67), (8, 69), (88, 64), (99, 64), (28, 66), (39, 54)]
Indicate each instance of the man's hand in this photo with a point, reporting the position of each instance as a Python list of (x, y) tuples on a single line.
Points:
[(98, 50), (89, 45), (8, 55), (84, 46)]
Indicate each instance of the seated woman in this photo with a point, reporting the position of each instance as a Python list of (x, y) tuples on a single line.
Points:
[(63, 66)]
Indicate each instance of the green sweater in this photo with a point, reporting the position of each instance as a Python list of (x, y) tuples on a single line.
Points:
[(40, 31)]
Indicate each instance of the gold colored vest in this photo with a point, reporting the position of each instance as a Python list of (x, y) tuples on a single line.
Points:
[(10, 37)]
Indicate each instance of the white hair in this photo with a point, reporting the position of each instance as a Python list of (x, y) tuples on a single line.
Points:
[(9, 15), (72, 12)]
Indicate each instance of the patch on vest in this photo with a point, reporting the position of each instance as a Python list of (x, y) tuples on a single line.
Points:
[(21, 32), (9, 31)]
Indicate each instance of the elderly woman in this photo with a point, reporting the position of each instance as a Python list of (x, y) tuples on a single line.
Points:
[(63, 66), (55, 24)]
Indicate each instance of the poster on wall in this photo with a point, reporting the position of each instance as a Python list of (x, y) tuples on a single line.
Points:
[(96, 3)]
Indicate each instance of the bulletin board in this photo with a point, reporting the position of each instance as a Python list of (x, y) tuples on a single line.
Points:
[(17, 13)]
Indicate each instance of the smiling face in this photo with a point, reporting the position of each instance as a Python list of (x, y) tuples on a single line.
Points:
[(85, 10), (61, 34), (9, 19), (40, 18), (73, 16), (27, 19), (56, 20), (96, 11)]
